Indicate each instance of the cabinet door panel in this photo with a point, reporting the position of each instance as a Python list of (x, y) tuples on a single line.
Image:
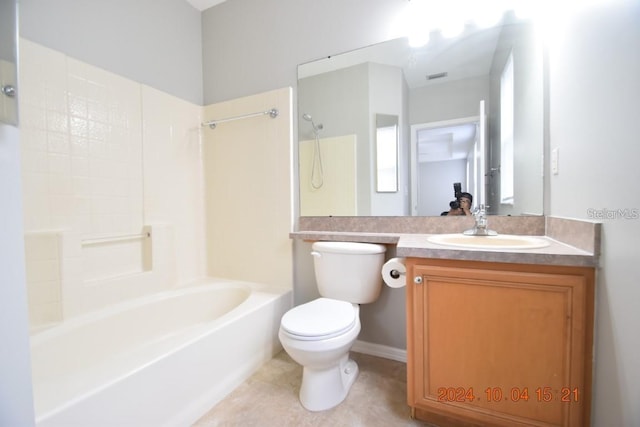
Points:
[(498, 345)]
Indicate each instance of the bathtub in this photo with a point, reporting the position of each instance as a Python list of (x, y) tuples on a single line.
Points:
[(161, 360)]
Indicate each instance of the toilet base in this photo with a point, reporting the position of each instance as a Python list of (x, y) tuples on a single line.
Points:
[(323, 389)]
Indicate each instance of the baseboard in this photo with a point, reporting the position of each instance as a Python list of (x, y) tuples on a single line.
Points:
[(380, 350)]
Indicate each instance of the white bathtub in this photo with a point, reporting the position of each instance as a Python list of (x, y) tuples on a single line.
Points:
[(161, 360)]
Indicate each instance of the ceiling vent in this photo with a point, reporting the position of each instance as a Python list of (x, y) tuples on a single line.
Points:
[(436, 76)]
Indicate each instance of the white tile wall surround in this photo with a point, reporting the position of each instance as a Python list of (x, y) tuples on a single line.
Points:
[(104, 155), (82, 145), (84, 176), (173, 176), (126, 257), (44, 278), (87, 285)]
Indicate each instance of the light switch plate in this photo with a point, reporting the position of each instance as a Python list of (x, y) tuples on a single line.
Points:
[(554, 161)]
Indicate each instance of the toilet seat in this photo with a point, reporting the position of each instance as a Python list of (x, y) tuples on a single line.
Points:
[(319, 319)]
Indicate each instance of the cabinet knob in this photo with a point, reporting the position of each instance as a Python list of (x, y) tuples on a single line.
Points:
[(417, 280)]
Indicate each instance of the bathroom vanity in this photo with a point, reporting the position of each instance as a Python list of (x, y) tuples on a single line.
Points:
[(499, 344), (500, 336), (495, 336)]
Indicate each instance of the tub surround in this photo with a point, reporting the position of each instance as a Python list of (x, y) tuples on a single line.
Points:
[(571, 242), (104, 156), (122, 202)]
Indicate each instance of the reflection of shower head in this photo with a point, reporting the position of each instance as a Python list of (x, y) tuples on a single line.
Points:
[(308, 118)]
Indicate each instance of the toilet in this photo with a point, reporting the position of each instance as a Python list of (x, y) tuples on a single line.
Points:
[(319, 334)]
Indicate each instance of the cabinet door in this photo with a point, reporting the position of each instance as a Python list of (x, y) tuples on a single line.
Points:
[(499, 346)]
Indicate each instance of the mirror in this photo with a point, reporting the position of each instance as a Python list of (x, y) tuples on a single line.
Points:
[(447, 98)]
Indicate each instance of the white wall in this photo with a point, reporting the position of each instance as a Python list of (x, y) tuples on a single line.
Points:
[(16, 401), (16, 397), (595, 111), (251, 46), (154, 42)]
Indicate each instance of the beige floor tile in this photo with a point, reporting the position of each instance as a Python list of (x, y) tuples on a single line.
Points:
[(270, 398)]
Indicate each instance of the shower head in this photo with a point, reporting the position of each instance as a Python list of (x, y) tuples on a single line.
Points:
[(308, 118)]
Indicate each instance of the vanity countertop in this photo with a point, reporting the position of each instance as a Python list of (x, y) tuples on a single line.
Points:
[(418, 245)]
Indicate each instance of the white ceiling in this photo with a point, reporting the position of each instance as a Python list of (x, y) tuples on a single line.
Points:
[(204, 4)]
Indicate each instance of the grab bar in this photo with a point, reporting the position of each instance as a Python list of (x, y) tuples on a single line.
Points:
[(120, 238)]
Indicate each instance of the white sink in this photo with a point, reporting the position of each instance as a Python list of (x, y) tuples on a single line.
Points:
[(489, 242)]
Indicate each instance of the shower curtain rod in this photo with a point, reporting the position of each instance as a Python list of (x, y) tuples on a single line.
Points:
[(273, 113)]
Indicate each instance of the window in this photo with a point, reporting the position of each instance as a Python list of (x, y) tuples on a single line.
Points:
[(506, 132)]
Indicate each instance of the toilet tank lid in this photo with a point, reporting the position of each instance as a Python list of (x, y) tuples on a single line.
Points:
[(349, 248)]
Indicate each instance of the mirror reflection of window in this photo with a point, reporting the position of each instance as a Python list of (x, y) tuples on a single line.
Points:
[(386, 154), (506, 132)]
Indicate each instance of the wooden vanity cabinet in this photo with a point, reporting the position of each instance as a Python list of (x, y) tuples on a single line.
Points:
[(499, 344)]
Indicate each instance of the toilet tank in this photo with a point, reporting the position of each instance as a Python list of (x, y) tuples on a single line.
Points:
[(349, 271)]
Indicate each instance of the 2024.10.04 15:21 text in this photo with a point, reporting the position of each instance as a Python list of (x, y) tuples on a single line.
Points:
[(515, 394)]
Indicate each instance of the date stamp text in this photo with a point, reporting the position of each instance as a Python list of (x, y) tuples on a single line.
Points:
[(513, 394)]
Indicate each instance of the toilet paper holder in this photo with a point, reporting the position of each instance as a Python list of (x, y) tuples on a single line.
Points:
[(395, 273)]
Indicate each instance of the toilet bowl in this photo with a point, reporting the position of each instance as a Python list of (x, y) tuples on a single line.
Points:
[(319, 334), (328, 372)]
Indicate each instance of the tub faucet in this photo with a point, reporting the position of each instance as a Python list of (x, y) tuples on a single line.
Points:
[(480, 227)]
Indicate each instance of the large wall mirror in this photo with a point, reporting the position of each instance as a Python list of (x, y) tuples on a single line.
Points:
[(468, 109)]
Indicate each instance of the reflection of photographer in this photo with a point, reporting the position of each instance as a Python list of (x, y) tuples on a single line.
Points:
[(462, 204)]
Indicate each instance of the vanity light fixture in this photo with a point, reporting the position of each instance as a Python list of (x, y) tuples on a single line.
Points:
[(450, 18)]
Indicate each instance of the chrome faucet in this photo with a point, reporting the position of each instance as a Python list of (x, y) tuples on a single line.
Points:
[(480, 227)]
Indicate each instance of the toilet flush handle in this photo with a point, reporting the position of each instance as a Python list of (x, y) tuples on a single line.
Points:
[(316, 254)]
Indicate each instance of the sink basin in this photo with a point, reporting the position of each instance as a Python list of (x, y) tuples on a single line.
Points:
[(489, 242)]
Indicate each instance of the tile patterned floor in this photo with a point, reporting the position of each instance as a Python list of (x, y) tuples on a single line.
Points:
[(270, 398)]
